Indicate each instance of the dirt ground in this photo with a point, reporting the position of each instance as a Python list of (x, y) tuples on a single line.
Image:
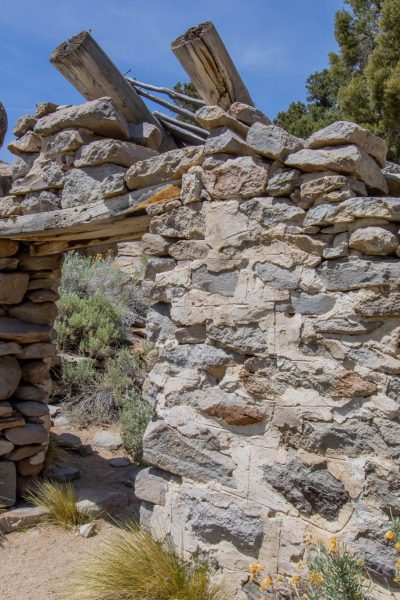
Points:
[(36, 564)]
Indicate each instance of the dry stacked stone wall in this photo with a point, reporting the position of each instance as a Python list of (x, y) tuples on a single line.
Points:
[(273, 270)]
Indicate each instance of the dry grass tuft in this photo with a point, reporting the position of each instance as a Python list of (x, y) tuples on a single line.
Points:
[(59, 499), (134, 566)]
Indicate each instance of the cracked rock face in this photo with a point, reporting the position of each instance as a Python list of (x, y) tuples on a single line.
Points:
[(312, 490)]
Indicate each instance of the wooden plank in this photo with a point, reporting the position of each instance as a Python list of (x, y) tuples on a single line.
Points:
[(85, 64), (55, 247), (90, 217), (206, 60)]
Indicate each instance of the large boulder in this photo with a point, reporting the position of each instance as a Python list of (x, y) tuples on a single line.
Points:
[(100, 116)]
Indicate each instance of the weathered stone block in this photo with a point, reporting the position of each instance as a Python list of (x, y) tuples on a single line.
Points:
[(84, 186), (273, 141), (10, 375), (243, 177), (110, 151), (13, 287), (8, 483)]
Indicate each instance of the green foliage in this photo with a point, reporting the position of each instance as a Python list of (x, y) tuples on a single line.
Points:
[(90, 326), (136, 414), (133, 566), (189, 89), (60, 502), (362, 83)]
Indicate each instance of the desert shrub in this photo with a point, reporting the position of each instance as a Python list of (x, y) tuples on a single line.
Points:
[(88, 326), (136, 414), (88, 276), (330, 572), (59, 499), (123, 373), (134, 566)]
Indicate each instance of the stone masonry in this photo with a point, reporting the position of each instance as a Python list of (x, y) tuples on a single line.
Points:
[(273, 276)]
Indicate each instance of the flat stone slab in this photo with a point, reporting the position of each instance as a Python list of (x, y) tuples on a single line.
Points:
[(109, 440), (20, 518)]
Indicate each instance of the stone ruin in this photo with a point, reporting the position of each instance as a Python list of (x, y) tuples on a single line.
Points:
[(273, 275)]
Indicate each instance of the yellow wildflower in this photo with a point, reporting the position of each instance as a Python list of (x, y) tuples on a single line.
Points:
[(396, 579), (300, 565), (333, 545), (315, 577), (279, 577), (266, 582), (397, 546), (390, 535), (294, 580), (255, 569)]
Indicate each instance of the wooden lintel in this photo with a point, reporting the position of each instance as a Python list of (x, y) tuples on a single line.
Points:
[(55, 247)]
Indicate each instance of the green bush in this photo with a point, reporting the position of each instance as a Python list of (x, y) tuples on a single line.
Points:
[(136, 414), (89, 326)]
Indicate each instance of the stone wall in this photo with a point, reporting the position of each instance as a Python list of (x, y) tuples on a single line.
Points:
[(273, 275)]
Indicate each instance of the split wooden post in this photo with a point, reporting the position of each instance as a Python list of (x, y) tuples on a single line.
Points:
[(205, 59), (85, 64)]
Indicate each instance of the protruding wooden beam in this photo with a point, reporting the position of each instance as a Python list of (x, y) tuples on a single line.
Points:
[(85, 64), (205, 59)]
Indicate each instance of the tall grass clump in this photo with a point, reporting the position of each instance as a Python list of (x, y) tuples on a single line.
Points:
[(134, 566), (59, 499)]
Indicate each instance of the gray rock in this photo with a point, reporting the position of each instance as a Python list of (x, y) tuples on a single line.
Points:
[(159, 326), (83, 186), (40, 202), (345, 132), (311, 489), (278, 277), (343, 159), (268, 212), (44, 175), (372, 359), (248, 114), (233, 408), (284, 182), (155, 245), (376, 241), (22, 164), (113, 185), (273, 141), (32, 392), (13, 287), (8, 483), (64, 474), (8, 248), (203, 356), (193, 334), (340, 247), (188, 250), (186, 222), (171, 451), (380, 306), (24, 333), (22, 518), (392, 176), (7, 348), (102, 504), (345, 275), (145, 134), (31, 433), (100, 116), (87, 530), (39, 350), (44, 313), (225, 141), (214, 524), (24, 124), (109, 440), (119, 461), (110, 151), (379, 557), (158, 265), (245, 339), (10, 375), (242, 177), (32, 409), (214, 117), (69, 441), (312, 304), (145, 514), (164, 167), (5, 446), (223, 283), (151, 485), (65, 141), (355, 208)]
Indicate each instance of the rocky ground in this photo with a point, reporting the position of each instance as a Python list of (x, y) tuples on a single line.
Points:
[(37, 561)]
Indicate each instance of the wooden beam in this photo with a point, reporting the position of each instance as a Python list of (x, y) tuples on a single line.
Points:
[(205, 59), (83, 221), (197, 102), (56, 246), (85, 64)]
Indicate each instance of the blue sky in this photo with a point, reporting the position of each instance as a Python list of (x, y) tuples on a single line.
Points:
[(275, 44)]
